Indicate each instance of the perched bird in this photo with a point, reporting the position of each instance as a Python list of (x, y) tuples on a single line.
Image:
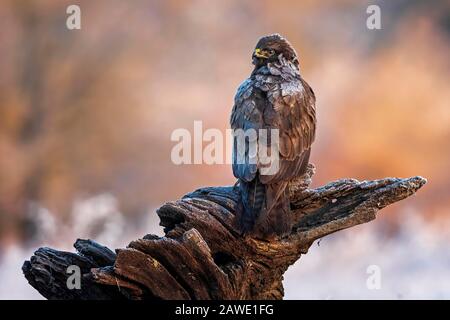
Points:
[(274, 97)]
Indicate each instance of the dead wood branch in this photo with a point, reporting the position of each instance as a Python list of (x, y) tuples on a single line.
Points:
[(202, 256)]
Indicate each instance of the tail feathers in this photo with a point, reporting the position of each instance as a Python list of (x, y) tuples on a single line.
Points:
[(251, 204), (264, 210), (277, 218)]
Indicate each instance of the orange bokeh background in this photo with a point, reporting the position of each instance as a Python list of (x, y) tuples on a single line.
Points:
[(90, 111)]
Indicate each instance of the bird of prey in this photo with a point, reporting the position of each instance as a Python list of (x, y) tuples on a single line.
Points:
[(274, 97)]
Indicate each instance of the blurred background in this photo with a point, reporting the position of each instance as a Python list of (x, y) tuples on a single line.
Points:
[(86, 117)]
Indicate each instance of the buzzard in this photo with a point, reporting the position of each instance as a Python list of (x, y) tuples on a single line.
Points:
[(274, 97)]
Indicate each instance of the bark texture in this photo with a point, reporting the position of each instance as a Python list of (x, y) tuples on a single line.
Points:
[(202, 256)]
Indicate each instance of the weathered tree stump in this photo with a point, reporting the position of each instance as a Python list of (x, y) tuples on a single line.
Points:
[(202, 256)]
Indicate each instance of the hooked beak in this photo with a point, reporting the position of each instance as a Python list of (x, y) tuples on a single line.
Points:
[(260, 54)]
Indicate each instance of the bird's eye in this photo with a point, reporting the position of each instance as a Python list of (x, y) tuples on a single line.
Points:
[(271, 52)]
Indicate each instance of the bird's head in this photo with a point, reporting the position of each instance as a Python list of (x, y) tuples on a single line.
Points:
[(270, 47)]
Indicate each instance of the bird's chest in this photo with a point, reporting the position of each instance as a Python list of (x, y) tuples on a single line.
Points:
[(267, 97), (276, 95)]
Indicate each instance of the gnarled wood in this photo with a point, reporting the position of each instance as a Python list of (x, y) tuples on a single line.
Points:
[(202, 256)]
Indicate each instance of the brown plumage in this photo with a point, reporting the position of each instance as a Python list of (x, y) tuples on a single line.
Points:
[(273, 97)]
